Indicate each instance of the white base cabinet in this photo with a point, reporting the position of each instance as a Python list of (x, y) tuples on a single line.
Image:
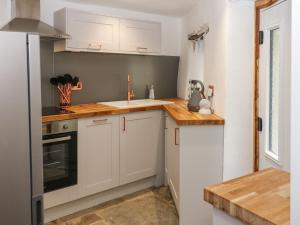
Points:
[(141, 144), (98, 144), (113, 151), (172, 155), (121, 151), (194, 161)]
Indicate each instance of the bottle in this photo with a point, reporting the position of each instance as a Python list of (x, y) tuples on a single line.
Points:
[(151, 92)]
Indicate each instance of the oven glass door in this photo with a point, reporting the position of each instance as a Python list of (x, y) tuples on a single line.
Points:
[(60, 161)]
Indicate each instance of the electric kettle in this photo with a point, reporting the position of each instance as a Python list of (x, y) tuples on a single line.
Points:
[(196, 94)]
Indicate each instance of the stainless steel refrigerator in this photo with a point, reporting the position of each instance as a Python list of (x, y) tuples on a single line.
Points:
[(21, 162)]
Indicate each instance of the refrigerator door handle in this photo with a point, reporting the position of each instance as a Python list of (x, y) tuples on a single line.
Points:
[(37, 210)]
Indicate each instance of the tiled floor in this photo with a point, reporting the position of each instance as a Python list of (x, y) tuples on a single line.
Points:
[(150, 207)]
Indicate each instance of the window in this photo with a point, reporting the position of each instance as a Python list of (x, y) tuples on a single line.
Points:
[(274, 92)]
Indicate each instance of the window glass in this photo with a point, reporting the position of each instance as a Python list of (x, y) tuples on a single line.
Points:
[(274, 91)]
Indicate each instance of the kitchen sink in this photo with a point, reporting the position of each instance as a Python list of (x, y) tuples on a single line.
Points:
[(136, 103)]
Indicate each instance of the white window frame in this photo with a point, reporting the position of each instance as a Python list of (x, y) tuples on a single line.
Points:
[(277, 159)]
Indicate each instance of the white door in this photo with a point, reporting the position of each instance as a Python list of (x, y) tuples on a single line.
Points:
[(98, 147), (275, 86), (141, 142), (92, 32)]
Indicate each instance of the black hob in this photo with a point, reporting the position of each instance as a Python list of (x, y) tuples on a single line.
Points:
[(50, 111)]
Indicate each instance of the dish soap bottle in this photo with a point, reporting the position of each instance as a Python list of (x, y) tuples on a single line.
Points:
[(151, 92)]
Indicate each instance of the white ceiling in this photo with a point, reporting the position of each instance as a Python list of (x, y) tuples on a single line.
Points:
[(163, 7)]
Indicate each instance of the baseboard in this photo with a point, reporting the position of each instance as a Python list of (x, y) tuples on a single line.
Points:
[(93, 200)]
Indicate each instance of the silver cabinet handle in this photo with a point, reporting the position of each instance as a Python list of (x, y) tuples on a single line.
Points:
[(97, 122), (57, 140), (100, 121), (176, 134), (166, 122), (124, 123), (142, 49), (95, 47)]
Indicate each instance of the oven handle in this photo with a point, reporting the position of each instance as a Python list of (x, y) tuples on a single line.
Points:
[(57, 140)]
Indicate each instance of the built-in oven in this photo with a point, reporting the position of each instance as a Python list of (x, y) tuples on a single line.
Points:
[(60, 154)]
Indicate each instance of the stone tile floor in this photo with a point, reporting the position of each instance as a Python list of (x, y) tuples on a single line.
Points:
[(150, 207)]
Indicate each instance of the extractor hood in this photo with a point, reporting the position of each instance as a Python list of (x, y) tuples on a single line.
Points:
[(26, 18)]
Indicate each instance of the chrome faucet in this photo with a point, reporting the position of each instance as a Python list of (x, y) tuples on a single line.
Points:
[(130, 93)]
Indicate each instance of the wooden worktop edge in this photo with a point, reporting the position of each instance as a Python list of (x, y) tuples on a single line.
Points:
[(206, 120), (114, 111), (234, 209)]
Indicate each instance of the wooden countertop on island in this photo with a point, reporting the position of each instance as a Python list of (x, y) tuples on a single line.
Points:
[(262, 198), (177, 111)]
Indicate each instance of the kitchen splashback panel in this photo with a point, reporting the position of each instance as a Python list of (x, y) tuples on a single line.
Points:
[(104, 76)]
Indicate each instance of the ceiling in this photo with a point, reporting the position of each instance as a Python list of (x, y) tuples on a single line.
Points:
[(162, 7)]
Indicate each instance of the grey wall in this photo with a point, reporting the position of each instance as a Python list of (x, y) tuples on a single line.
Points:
[(49, 93), (104, 76)]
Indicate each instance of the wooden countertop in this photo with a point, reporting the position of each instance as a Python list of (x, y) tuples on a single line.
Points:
[(262, 198), (177, 111)]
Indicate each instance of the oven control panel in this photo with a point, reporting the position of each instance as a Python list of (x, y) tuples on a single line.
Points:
[(58, 127)]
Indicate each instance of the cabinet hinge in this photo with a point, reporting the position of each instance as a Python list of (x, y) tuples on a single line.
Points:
[(261, 37), (260, 124)]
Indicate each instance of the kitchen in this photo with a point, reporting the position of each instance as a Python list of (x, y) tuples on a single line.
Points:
[(128, 129)]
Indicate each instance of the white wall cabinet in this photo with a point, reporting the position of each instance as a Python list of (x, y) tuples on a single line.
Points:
[(98, 144), (95, 33), (172, 152), (140, 36), (89, 32), (141, 144)]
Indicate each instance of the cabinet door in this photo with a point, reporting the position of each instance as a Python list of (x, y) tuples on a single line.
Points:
[(139, 36), (98, 141), (92, 32), (140, 144), (173, 160)]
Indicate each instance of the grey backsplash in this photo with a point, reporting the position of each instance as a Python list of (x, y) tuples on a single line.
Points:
[(104, 76)]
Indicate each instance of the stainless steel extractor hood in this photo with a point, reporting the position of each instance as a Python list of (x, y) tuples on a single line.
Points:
[(26, 18)]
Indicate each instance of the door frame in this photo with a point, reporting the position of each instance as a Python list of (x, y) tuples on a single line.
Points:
[(259, 4)]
